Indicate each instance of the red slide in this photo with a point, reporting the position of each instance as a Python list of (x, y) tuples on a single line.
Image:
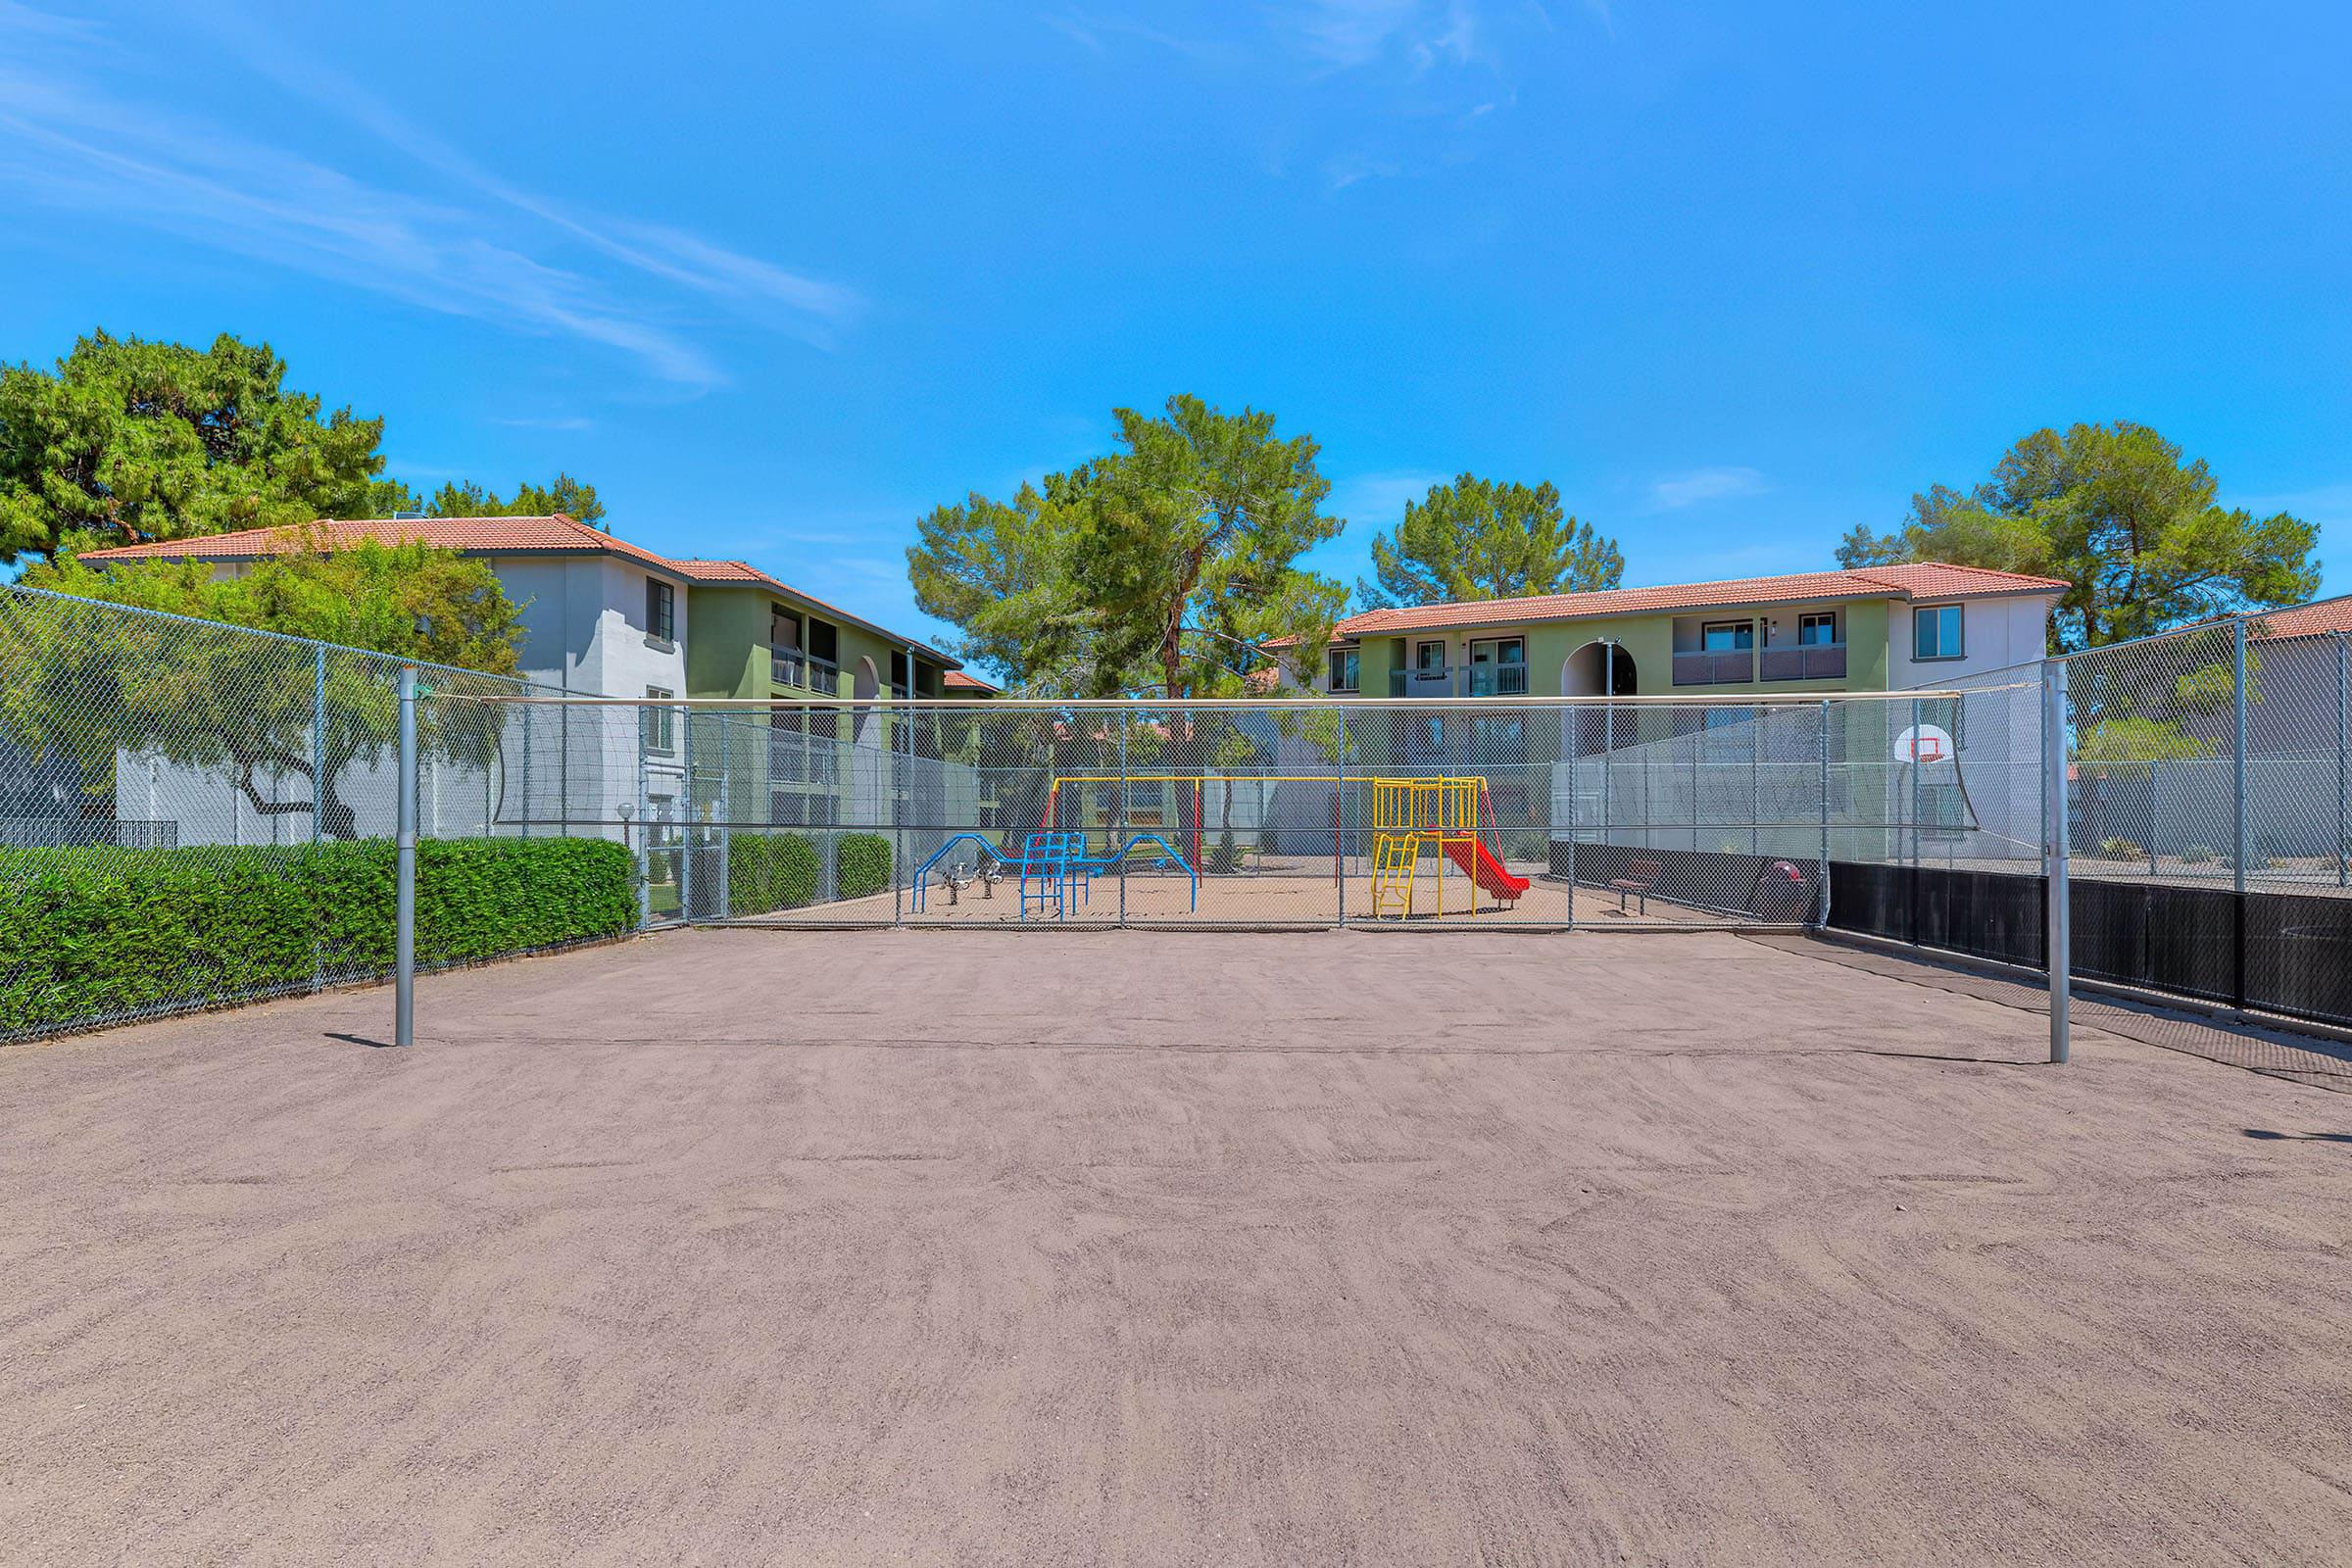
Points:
[(1487, 871)]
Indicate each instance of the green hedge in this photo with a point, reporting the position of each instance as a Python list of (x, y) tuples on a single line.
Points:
[(864, 865), (770, 872), (88, 935)]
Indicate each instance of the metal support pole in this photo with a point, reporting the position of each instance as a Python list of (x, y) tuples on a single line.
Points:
[(902, 770), (2237, 777), (2343, 756), (317, 740), (1608, 744), (1755, 779), (1339, 822), (1119, 818), (2058, 921), (1572, 722), (688, 809), (726, 900), (1821, 913), (645, 829), (524, 719), (2237, 757), (1914, 833), (404, 874)]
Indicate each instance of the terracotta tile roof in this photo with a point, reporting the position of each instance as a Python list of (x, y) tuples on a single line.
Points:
[(1926, 580), (956, 680), (554, 532), (479, 536), (2306, 620)]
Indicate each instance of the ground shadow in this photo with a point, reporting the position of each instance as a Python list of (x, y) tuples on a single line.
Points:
[(2268, 1135), (361, 1040)]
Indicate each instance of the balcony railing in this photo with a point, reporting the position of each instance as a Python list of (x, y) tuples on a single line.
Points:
[(1717, 668), (1811, 662), (793, 666), (1460, 680)]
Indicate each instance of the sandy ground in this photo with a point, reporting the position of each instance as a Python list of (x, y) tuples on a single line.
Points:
[(1130, 1248)]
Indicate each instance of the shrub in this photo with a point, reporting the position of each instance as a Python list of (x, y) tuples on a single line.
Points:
[(90, 934), (770, 872), (2196, 854), (864, 864), (2121, 850)]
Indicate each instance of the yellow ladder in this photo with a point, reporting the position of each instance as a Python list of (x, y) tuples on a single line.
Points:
[(1395, 862)]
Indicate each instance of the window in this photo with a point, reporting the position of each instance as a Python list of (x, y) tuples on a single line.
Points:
[(1728, 636), (1936, 632), (659, 726), (1817, 630), (1428, 657), (660, 610), (1346, 665), (783, 627)]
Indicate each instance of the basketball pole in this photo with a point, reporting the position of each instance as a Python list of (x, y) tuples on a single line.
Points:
[(403, 855), (2057, 921)]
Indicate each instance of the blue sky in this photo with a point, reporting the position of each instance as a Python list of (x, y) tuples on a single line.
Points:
[(779, 279)]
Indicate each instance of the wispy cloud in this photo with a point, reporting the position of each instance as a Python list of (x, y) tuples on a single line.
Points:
[(67, 141), (549, 422), (1377, 499), (1702, 485)]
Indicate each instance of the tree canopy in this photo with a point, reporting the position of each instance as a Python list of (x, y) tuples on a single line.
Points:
[(2115, 511), (129, 441), (1171, 562), (97, 686), (571, 497), (1481, 539)]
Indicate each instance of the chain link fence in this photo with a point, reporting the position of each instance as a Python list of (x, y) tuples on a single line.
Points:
[(1277, 813), (193, 813), (237, 788)]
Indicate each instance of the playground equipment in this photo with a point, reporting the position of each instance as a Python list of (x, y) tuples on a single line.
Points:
[(1055, 871), (1449, 814), (1413, 820)]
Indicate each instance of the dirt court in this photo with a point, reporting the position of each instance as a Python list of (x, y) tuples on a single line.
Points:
[(1135, 1247)]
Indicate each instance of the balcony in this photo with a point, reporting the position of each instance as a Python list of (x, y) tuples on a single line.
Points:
[(1811, 662), (1460, 680), (1728, 666), (793, 667)]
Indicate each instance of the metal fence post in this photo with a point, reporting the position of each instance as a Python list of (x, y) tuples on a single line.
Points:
[(645, 828), (2343, 756), (2237, 784), (902, 770), (2058, 921), (1572, 723), (686, 815), (1339, 820), (318, 739), (1119, 818), (1823, 914), (1914, 834), (404, 872), (726, 900)]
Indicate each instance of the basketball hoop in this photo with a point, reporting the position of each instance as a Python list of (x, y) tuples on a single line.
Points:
[(1923, 745)]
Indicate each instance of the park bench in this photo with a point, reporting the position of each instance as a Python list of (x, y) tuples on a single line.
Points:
[(1640, 876)]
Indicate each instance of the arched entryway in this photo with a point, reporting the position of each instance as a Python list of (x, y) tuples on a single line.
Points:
[(1599, 670)]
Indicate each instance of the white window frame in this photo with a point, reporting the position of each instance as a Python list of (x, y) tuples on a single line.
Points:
[(661, 730), (1735, 627), (1837, 630), (1421, 664)]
